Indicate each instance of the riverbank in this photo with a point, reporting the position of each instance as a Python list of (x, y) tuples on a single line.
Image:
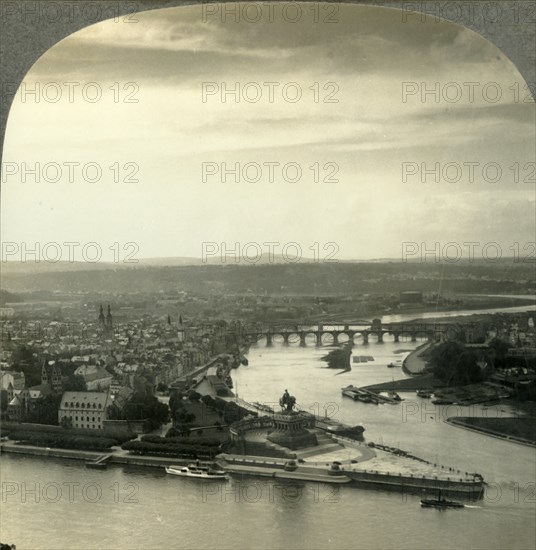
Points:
[(415, 362), (514, 429), (419, 382), (471, 302), (379, 466), (117, 455)]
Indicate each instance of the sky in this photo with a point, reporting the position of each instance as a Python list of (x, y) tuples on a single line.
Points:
[(162, 146)]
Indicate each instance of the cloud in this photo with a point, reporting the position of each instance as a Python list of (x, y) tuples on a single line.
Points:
[(368, 133)]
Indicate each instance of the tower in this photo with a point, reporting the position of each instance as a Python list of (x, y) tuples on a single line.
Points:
[(56, 378), (44, 372), (101, 316), (109, 321)]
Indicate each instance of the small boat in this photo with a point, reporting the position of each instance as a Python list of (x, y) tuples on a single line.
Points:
[(393, 365), (393, 395), (349, 393), (196, 470), (426, 394), (441, 502)]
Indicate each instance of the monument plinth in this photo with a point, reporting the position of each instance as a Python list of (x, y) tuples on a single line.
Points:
[(290, 427)]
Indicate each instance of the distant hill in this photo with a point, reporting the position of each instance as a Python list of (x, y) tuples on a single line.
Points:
[(284, 278), (29, 267)]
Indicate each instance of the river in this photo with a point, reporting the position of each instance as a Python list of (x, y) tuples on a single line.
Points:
[(144, 508)]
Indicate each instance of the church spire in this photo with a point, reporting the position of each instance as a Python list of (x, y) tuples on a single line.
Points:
[(109, 321)]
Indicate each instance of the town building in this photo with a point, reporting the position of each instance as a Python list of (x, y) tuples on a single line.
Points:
[(51, 375), (95, 377), (16, 379), (84, 409)]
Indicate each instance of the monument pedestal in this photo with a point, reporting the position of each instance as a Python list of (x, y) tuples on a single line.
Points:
[(289, 431)]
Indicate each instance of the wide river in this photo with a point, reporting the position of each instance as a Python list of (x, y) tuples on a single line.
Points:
[(56, 504)]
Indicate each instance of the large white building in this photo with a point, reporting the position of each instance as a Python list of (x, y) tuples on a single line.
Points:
[(86, 409)]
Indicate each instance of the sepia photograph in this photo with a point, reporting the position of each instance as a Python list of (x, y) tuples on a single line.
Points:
[(268, 275)]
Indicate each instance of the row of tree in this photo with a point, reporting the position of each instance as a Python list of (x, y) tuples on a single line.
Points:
[(456, 365)]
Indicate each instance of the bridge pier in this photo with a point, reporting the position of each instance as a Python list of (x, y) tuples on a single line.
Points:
[(351, 339), (365, 337), (302, 339), (380, 337), (285, 338), (269, 339), (397, 336), (335, 337), (318, 336), (413, 336)]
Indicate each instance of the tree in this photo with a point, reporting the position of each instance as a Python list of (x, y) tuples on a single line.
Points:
[(466, 369), (233, 413), (66, 422), (45, 410), (194, 396), (140, 407), (443, 357), (497, 354), (75, 382), (3, 400), (24, 360)]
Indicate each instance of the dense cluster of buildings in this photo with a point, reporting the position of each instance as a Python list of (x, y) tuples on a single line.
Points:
[(97, 364)]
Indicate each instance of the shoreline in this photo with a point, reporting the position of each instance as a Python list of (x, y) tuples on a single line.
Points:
[(269, 467), (413, 364), (459, 423)]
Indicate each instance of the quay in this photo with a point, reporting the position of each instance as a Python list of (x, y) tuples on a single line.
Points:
[(368, 396), (414, 363), (359, 464)]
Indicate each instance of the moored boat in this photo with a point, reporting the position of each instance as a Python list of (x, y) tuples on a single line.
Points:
[(393, 395), (352, 394), (196, 470), (426, 394)]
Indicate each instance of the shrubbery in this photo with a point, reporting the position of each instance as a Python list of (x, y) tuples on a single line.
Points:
[(198, 441), (59, 440), (117, 435), (158, 449)]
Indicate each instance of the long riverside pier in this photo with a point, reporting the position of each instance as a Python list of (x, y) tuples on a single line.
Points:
[(372, 468)]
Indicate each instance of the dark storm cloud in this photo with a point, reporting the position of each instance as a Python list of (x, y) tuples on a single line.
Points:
[(171, 46)]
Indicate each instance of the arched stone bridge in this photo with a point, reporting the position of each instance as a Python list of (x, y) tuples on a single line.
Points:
[(363, 329)]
